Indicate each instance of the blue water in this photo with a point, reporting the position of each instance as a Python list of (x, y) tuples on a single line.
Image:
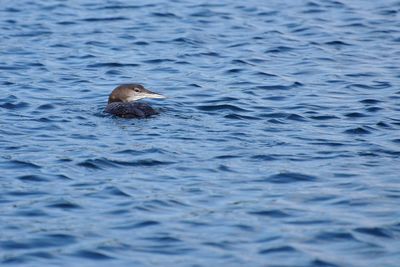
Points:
[(278, 144)]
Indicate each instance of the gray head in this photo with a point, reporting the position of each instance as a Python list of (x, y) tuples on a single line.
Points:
[(131, 92)]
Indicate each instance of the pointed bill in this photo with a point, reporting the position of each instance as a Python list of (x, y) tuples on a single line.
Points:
[(152, 95)]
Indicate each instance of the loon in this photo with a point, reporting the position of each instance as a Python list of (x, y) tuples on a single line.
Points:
[(121, 101)]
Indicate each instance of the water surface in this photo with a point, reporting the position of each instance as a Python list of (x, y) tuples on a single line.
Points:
[(278, 145)]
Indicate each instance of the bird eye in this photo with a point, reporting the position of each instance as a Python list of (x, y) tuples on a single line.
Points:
[(136, 90)]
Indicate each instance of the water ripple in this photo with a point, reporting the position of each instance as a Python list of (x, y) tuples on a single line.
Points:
[(277, 145), (289, 178)]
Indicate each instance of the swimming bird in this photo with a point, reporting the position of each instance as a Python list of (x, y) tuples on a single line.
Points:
[(122, 101)]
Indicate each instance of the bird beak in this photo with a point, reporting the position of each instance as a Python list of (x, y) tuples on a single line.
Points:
[(150, 94)]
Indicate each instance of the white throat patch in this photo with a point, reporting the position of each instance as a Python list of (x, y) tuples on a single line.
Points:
[(134, 97)]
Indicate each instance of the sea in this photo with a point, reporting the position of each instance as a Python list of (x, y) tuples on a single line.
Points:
[(278, 144)]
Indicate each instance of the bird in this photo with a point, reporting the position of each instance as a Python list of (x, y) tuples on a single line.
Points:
[(122, 101)]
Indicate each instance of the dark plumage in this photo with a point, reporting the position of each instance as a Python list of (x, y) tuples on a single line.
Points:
[(121, 101), (130, 110)]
